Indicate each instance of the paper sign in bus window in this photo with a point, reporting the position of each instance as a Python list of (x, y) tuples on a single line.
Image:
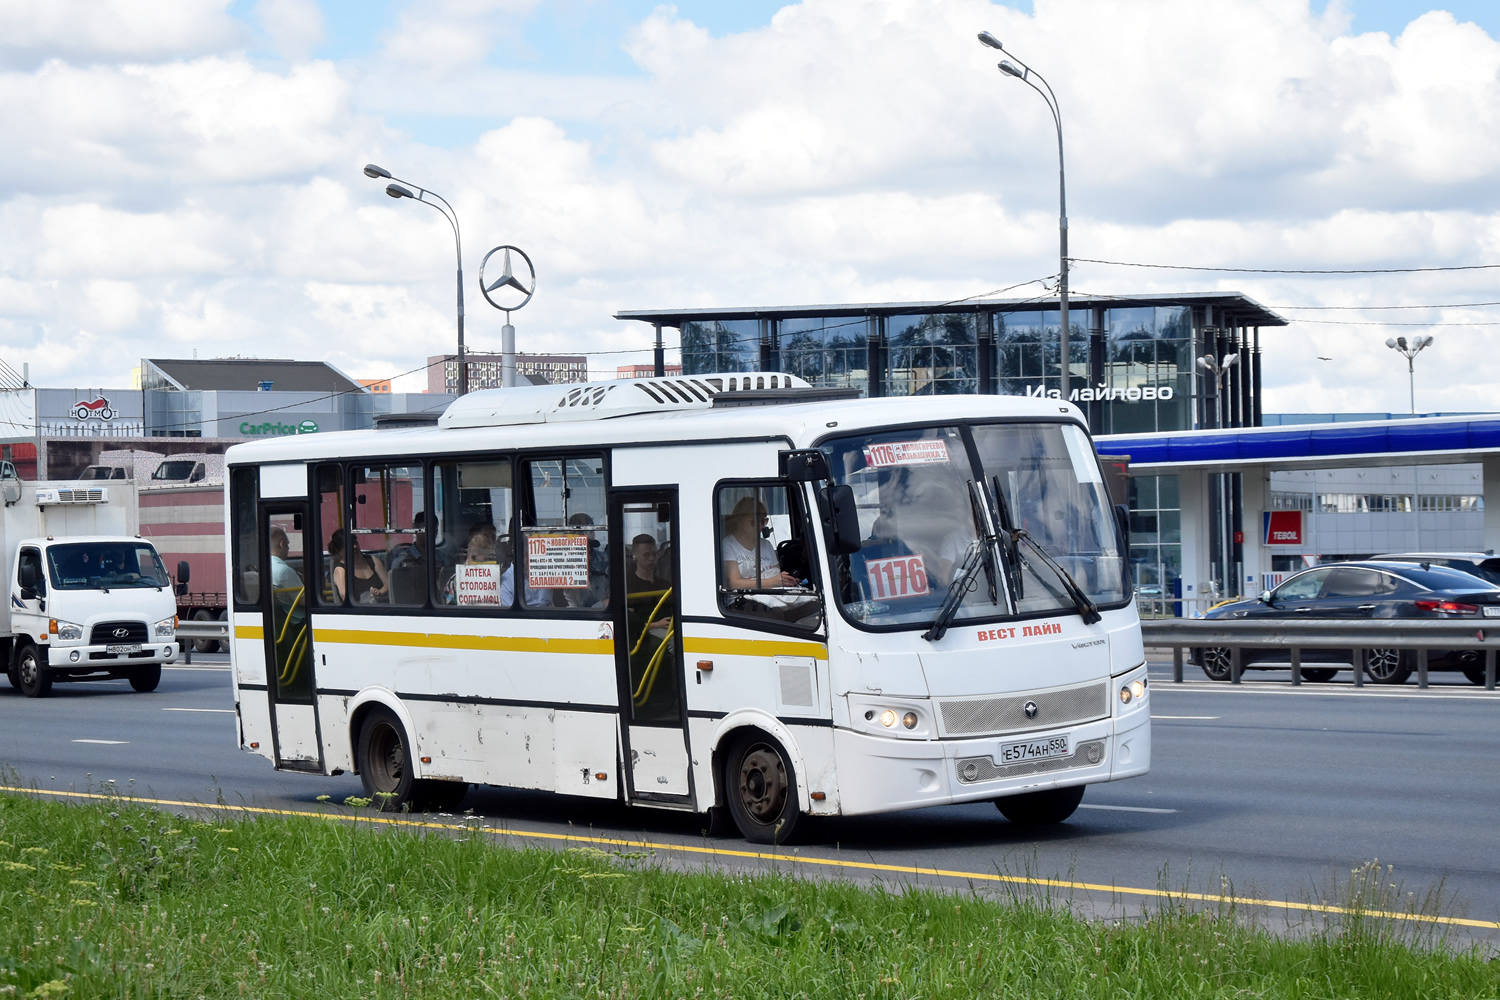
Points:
[(928, 451), (477, 583), (901, 576), (557, 562)]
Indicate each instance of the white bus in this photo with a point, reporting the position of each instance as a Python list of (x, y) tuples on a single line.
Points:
[(731, 594)]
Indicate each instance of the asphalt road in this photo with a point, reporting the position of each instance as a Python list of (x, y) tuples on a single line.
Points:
[(1279, 790)]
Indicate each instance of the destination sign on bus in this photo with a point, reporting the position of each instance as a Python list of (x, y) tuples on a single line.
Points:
[(900, 576), (558, 562), (928, 451), (477, 583)]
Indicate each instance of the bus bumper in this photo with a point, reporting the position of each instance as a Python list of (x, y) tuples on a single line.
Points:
[(886, 775)]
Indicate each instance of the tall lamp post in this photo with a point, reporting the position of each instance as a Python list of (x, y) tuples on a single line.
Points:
[(1217, 369), (399, 189), (1025, 73), (1410, 351)]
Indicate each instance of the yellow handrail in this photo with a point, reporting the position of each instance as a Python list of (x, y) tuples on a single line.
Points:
[(293, 607), (293, 659), (648, 676), (649, 618)]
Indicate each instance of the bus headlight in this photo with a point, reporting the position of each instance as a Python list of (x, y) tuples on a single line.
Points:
[(887, 718), (893, 717), (1133, 688)]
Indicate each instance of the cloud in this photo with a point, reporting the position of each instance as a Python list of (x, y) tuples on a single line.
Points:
[(165, 190)]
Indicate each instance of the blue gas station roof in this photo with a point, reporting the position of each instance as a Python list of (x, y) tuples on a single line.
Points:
[(1310, 446)]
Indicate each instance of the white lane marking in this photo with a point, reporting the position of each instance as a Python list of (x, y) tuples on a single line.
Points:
[(226, 711), (1203, 717), (220, 670), (1125, 809), (106, 742)]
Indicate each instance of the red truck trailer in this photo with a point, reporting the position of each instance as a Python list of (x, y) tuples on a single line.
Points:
[(186, 523)]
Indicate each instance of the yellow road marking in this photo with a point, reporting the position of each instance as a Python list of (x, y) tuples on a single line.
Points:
[(800, 859), (754, 647)]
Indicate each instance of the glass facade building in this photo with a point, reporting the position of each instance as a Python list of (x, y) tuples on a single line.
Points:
[(1133, 362)]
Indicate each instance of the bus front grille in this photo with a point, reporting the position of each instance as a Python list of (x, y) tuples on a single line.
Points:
[(972, 770), (1054, 709)]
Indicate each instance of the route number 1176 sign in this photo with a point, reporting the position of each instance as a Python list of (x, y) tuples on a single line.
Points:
[(901, 576)]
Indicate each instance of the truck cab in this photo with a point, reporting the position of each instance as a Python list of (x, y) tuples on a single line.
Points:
[(91, 607)]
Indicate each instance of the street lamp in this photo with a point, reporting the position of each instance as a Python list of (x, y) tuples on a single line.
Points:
[(1218, 369), (1410, 352), (1025, 73), (399, 191)]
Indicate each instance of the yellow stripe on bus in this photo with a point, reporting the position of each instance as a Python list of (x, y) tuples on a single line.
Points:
[(249, 632), (754, 647), (487, 643)]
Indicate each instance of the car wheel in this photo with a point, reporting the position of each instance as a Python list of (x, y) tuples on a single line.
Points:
[(762, 789), (1041, 808), (1216, 662), (384, 761), (33, 673), (1319, 675), (1475, 675), (146, 678), (1388, 666)]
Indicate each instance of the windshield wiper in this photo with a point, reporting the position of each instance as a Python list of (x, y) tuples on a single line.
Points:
[(1009, 551), (984, 528), (963, 582), (1086, 608)]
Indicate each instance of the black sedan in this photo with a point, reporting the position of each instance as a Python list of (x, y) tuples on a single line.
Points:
[(1357, 590)]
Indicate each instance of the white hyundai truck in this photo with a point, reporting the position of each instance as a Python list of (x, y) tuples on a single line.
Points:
[(89, 598)]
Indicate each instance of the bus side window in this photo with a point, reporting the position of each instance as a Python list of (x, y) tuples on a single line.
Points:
[(244, 490), (470, 548), (764, 563), (564, 562), (331, 527)]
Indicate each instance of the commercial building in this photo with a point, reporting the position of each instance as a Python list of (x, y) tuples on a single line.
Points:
[(485, 370)]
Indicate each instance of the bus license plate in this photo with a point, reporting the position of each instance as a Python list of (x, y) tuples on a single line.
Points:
[(1044, 749), (133, 647)]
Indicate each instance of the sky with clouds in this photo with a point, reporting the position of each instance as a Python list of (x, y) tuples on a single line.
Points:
[(185, 175)]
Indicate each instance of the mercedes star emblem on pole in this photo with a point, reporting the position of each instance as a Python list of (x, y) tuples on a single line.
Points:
[(507, 280)]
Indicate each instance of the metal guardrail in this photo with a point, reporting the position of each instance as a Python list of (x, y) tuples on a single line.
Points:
[(188, 631), (1360, 636)]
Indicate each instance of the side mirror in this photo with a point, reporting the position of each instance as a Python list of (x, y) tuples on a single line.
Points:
[(184, 571), (1265, 597), (28, 576), (843, 520), (806, 465)]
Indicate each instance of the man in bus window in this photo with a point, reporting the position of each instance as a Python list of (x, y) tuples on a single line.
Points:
[(286, 583)]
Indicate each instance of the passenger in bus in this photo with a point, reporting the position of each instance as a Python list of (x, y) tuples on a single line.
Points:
[(408, 574), (481, 545), (596, 595), (750, 561), (648, 624), (642, 573), (371, 582), (286, 582)]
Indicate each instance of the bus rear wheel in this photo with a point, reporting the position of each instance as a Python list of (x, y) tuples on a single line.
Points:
[(384, 761), (1041, 808), (761, 789)]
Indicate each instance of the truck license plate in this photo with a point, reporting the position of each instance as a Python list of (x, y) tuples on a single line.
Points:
[(129, 647), (1043, 749)]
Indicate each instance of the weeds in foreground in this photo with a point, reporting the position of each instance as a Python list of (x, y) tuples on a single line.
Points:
[(115, 899)]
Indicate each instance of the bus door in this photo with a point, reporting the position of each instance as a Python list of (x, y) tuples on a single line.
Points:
[(648, 646), (288, 635)]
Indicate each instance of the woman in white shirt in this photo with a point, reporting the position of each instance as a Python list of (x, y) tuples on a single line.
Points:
[(750, 561)]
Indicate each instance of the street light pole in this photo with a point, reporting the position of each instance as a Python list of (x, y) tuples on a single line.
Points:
[(1024, 73), (1410, 352), (1217, 370), (397, 191)]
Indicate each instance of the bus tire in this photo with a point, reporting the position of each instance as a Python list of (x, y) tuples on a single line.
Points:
[(384, 761), (761, 789), (32, 672), (1041, 808), (146, 678)]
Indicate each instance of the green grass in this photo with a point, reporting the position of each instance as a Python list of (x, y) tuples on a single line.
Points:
[(108, 899)]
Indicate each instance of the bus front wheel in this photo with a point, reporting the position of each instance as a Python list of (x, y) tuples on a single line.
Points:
[(1041, 808), (761, 789), (384, 761)]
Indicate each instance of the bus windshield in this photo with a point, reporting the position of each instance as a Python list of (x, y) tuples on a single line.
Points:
[(105, 565), (925, 508)]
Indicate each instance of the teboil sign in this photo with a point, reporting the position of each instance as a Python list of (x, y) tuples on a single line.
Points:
[(1283, 527)]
